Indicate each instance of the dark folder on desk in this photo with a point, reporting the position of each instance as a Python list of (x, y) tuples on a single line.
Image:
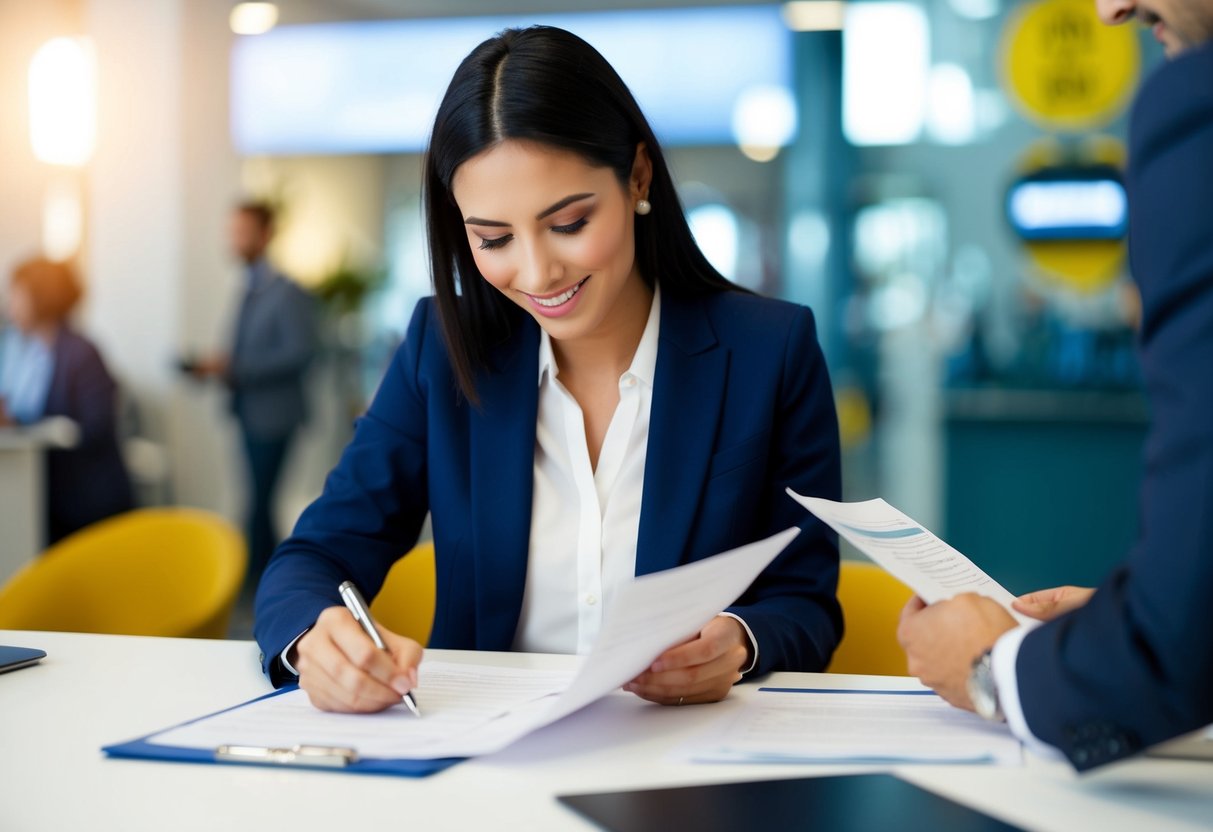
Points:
[(828, 804), (144, 749)]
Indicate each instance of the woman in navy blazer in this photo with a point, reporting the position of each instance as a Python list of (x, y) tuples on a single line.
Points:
[(555, 228)]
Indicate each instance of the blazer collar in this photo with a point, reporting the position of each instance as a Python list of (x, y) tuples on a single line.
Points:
[(689, 385), (502, 448), (688, 395)]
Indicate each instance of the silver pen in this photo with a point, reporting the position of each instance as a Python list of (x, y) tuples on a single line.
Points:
[(357, 607)]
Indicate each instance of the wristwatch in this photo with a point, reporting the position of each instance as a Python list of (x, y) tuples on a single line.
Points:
[(983, 690)]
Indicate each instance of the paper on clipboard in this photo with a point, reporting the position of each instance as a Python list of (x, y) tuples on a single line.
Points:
[(907, 551), (473, 709)]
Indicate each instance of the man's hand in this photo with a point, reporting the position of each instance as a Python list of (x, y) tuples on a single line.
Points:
[(942, 640), (703, 669), (1047, 604), (211, 366)]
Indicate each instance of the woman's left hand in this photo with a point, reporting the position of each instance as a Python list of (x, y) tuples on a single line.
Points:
[(702, 669)]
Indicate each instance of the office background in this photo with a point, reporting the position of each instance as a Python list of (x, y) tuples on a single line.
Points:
[(982, 388)]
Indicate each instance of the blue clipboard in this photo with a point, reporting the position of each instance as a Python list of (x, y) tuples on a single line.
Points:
[(342, 760)]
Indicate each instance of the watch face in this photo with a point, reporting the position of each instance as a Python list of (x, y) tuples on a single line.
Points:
[(982, 691)]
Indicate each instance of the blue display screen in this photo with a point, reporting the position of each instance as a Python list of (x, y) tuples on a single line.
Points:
[(373, 87), (1069, 204)]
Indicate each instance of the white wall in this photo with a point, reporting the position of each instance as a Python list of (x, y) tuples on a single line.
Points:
[(162, 181)]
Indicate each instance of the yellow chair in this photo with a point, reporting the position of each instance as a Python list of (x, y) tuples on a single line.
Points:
[(405, 603), (871, 605), (151, 572)]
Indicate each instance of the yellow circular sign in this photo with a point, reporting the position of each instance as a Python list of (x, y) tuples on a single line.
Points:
[(1065, 69), (1083, 266)]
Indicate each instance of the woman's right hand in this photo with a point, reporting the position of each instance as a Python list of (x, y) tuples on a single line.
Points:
[(342, 670), (1047, 604)]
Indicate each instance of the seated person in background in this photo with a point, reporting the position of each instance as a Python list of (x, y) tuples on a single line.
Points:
[(586, 399), (48, 369)]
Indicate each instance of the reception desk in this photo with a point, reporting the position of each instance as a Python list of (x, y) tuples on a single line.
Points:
[(1042, 484), (23, 489)]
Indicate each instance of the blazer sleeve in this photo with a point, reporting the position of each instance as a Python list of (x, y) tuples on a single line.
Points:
[(369, 513), (792, 608), (1135, 665)]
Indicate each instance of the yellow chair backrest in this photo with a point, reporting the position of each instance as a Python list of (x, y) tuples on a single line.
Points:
[(871, 605), (405, 603), (152, 572)]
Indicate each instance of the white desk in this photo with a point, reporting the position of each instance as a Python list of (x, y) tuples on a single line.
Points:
[(94, 690)]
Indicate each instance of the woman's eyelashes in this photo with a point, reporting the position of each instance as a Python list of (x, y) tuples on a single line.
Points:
[(488, 244), (571, 228), (491, 243)]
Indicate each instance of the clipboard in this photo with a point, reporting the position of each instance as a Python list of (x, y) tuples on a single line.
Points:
[(325, 758)]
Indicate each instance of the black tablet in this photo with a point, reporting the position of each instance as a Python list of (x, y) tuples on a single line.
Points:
[(831, 804), (12, 658)]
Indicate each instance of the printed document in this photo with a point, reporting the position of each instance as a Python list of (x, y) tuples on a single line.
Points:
[(907, 551), (793, 725), (468, 709)]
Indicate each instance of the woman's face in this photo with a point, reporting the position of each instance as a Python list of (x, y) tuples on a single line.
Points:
[(20, 307), (555, 235)]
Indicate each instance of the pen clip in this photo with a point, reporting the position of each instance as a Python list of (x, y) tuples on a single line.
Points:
[(323, 756)]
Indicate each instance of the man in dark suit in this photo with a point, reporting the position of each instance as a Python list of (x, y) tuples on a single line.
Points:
[(1130, 664), (273, 344)]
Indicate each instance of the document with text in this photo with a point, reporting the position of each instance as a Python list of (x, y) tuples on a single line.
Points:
[(794, 725), (473, 709), (907, 551)]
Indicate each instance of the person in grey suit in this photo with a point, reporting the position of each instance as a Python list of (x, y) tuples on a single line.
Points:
[(273, 343)]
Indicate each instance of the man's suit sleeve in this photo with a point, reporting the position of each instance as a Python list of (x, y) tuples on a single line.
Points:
[(369, 514), (1135, 665), (288, 354), (792, 608)]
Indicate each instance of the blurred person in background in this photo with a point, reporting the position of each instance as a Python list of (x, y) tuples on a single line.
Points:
[(272, 345), (47, 369)]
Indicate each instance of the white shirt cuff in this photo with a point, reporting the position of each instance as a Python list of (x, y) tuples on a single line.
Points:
[(749, 634), (290, 668), (1002, 663)]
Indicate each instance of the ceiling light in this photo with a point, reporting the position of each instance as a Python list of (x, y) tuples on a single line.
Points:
[(253, 18)]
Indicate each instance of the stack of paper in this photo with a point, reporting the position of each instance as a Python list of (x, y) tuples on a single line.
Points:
[(794, 725)]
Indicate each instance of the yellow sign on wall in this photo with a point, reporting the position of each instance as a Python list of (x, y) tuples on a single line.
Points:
[(1066, 70)]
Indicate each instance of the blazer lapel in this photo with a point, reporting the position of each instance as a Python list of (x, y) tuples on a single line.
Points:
[(688, 392), (502, 450)]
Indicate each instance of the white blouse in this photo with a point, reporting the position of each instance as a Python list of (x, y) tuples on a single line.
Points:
[(584, 521)]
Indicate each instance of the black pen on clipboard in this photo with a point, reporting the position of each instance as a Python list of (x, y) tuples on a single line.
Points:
[(357, 607)]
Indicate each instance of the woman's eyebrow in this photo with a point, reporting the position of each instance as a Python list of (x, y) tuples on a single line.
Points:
[(568, 200), (552, 209)]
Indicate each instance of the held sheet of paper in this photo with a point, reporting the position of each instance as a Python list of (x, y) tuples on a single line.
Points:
[(907, 551), (469, 710)]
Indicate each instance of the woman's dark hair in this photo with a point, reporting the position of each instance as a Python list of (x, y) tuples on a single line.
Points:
[(545, 85)]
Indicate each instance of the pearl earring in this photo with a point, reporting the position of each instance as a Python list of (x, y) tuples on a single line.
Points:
[(643, 206)]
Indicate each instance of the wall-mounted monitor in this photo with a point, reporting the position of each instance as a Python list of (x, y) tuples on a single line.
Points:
[(373, 87)]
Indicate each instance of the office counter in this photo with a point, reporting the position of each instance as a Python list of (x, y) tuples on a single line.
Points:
[(94, 690), (22, 488), (22, 510), (1068, 461)]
